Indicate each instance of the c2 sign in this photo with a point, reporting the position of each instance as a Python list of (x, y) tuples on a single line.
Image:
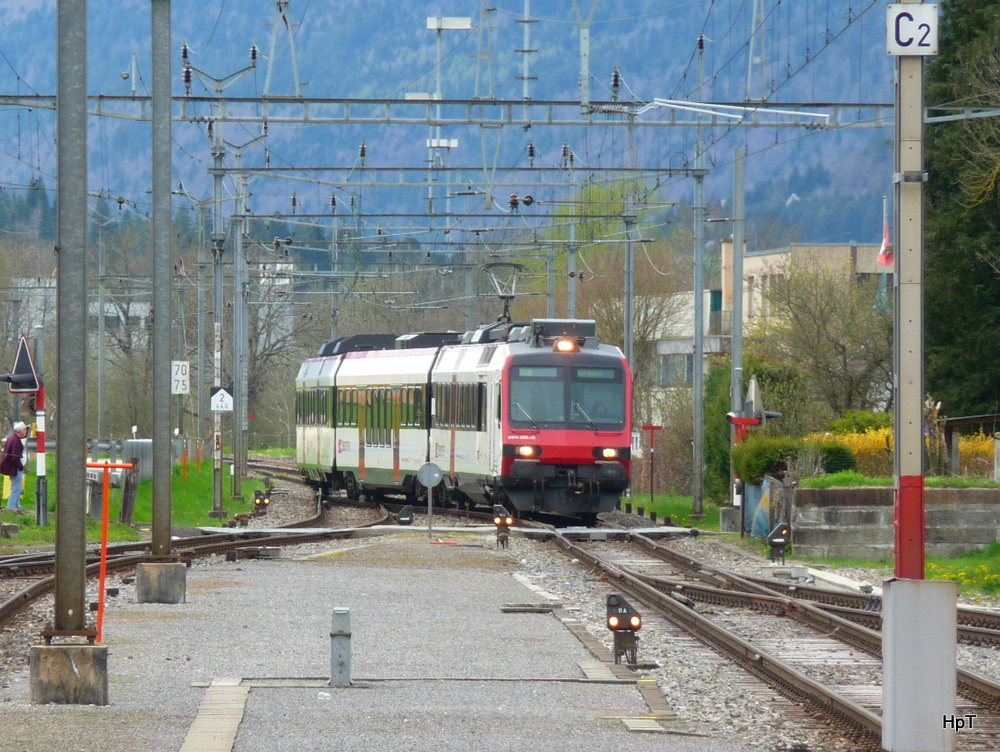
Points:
[(911, 29)]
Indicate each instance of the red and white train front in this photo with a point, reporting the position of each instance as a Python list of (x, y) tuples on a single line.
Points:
[(566, 430)]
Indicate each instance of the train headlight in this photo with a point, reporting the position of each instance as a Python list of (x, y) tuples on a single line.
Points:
[(610, 454), (527, 451), (565, 345)]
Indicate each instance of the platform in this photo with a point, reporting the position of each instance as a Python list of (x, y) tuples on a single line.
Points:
[(437, 664)]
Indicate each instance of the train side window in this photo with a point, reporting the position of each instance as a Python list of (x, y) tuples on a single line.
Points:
[(480, 407), (369, 416), (419, 411)]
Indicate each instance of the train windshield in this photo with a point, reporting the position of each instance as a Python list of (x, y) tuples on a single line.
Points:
[(576, 397)]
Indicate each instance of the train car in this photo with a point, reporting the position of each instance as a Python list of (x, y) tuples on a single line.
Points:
[(535, 417)]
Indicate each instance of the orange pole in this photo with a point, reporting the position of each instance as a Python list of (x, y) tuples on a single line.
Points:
[(105, 502), (184, 463)]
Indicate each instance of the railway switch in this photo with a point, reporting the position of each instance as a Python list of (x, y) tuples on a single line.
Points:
[(779, 539), (503, 521), (623, 621)]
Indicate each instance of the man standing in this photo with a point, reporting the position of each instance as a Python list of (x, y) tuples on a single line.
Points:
[(12, 464)]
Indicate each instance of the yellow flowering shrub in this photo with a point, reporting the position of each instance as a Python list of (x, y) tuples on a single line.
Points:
[(874, 451)]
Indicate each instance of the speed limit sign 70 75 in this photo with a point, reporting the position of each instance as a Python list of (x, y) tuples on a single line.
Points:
[(180, 377)]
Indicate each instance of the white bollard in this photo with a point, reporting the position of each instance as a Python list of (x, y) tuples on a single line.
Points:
[(340, 648)]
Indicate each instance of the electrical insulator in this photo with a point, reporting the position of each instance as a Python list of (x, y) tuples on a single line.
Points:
[(184, 51), (295, 203), (265, 128), (187, 79), (567, 154), (701, 41), (253, 53), (333, 203), (616, 81), (363, 151)]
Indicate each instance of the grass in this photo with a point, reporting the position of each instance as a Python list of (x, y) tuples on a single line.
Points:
[(853, 479), (677, 508), (975, 572), (191, 501)]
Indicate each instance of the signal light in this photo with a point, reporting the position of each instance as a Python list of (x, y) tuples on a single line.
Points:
[(261, 501), (623, 621), (779, 539), (621, 614), (503, 521)]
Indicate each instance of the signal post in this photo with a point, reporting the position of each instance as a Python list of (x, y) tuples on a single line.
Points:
[(919, 616)]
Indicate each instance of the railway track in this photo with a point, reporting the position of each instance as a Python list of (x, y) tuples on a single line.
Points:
[(975, 626), (828, 666)]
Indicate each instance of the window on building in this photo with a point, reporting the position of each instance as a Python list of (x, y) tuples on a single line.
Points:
[(676, 369)]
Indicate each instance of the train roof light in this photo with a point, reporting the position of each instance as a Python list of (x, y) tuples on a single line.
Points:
[(565, 345)]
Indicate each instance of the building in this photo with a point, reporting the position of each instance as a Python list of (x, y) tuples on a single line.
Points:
[(676, 349)]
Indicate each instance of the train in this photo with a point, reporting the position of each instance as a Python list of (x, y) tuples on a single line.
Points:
[(531, 416)]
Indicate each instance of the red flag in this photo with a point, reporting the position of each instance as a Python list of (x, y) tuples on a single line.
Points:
[(885, 257)]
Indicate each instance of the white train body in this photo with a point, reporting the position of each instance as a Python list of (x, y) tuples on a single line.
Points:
[(513, 422)]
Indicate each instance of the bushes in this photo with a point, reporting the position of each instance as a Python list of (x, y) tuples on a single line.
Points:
[(836, 457), (775, 455), (860, 421), (758, 456)]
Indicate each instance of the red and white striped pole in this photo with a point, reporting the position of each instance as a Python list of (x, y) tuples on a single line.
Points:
[(41, 481)]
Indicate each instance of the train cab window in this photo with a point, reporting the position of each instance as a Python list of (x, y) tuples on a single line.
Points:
[(597, 396), (537, 395)]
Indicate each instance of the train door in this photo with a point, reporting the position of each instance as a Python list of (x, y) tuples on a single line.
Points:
[(492, 426)]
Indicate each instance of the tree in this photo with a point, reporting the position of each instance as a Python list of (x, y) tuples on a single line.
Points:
[(823, 320), (962, 284), (660, 274)]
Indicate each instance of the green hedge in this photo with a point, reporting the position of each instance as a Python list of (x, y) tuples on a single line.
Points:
[(758, 456), (762, 455)]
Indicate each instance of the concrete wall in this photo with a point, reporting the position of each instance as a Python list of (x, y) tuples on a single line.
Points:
[(858, 522)]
